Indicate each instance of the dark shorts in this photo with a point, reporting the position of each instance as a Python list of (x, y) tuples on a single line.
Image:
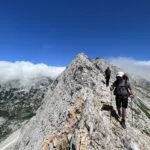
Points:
[(121, 102)]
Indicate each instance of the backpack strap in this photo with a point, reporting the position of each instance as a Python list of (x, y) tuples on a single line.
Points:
[(126, 85)]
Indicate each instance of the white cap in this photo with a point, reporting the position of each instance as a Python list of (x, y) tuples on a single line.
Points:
[(120, 74)]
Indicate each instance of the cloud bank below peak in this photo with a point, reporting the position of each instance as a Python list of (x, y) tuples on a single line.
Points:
[(139, 67), (24, 71)]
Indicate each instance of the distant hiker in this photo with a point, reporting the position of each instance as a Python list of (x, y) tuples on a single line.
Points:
[(122, 91), (107, 75)]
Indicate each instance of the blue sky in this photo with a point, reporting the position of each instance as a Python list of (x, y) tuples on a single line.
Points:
[(54, 31)]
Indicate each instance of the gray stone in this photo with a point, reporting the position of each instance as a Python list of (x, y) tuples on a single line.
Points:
[(78, 115)]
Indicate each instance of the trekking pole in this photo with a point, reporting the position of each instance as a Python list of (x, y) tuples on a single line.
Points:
[(132, 109), (111, 105)]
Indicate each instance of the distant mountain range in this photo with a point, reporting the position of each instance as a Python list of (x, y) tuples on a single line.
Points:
[(19, 103)]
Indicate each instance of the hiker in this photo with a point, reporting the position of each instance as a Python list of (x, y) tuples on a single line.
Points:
[(107, 75), (122, 91)]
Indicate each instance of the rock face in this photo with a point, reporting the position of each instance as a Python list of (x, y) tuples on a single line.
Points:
[(19, 104), (77, 113)]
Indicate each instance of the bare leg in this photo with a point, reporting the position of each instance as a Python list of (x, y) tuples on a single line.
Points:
[(123, 113), (119, 111), (123, 117)]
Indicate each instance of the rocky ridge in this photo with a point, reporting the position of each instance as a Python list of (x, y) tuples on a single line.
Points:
[(77, 113)]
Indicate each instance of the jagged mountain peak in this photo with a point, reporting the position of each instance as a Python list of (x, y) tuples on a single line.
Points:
[(80, 59), (77, 114), (81, 56)]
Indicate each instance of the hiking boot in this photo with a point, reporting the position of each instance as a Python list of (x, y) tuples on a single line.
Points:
[(123, 123)]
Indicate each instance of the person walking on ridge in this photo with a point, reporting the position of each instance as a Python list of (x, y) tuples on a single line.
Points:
[(107, 75), (122, 91)]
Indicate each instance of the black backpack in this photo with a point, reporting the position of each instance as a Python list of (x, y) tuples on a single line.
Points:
[(121, 88)]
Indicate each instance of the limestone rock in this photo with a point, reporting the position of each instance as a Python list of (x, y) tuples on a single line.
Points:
[(77, 113)]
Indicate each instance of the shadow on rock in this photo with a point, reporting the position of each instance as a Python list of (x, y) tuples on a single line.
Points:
[(110, 108)]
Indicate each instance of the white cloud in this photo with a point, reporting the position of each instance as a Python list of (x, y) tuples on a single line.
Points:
[(139, 67), (24, 71)]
